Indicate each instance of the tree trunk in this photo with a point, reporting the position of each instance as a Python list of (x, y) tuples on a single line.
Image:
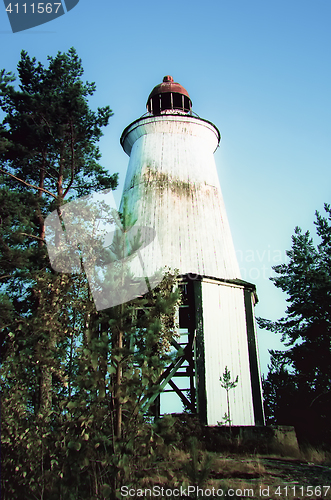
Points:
[(41, 222), (118, 404)]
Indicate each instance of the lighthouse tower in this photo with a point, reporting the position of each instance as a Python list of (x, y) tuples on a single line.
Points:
[(172, 185)]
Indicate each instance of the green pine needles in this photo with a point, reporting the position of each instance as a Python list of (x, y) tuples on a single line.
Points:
[(227, 384), (73, 379)]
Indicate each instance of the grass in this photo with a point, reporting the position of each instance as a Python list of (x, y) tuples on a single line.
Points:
[(239, 476), (315, 456), (250, 467)]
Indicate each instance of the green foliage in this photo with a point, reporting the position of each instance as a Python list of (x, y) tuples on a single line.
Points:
[(49, 129), (297, 389), (64, 372), (226, 381), (279, 390), (48, 155), (197, 470)]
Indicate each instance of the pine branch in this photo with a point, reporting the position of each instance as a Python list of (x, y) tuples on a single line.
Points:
[(32, 236), (27, 184), (72, 162)]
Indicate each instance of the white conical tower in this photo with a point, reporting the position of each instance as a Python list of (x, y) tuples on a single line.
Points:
[(172, 186)]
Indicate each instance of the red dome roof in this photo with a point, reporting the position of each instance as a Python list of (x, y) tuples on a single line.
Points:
[(169, 96), (168, 85)]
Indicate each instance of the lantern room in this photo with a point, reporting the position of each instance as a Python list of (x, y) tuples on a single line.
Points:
[(169, 96)]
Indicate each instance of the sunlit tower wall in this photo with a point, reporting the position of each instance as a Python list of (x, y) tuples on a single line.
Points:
[(172, 185)]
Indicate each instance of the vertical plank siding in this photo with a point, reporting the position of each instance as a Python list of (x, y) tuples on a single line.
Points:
[(226, 345), (172, 185)]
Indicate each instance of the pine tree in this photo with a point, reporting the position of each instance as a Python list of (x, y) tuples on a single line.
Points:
[(48, 155), (305, 330), (74, 379), (228, 384)]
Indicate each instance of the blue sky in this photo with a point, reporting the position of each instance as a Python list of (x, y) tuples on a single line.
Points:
[(259, 70)]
